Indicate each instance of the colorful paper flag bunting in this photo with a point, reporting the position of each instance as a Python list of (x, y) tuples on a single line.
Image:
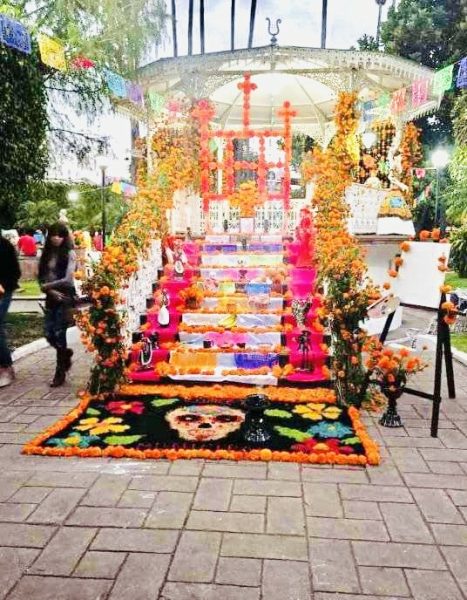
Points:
[(442, 80), (420, 172), (134, 92), (81, 62), (461, 80), (14, 35), (398, 100), (116, 83), (156, 101), (52, 52), (419, 92)]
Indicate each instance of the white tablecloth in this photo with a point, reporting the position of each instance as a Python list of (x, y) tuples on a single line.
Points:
[(245, 260), (196, 340), (243, 320)]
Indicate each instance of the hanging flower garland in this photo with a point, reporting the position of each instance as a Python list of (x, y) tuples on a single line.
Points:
[(246, 199), (341, 268)]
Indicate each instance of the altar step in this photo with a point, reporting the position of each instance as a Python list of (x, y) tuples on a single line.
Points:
[(243, 323)]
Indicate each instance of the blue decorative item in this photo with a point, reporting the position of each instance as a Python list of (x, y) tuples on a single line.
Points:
[(255, 361), (325, 430), (461, 80), (14, 35), (116, 83), (396, 202), (252, 289)]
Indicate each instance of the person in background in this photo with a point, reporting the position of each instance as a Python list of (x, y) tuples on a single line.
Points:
[(39, 237), (27, 243), (56, 268), (9, 277), (98, 241)]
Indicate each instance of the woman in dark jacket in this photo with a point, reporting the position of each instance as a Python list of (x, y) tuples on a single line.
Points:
[(56, 269), (9, 276)]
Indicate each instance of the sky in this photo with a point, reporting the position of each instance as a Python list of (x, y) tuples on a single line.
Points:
[(301, 23)]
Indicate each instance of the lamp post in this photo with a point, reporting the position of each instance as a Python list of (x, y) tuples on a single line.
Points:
[(103, 163), (73, 195), (439, 160)]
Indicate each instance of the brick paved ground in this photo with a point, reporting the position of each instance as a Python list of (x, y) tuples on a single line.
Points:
[(79, 529)]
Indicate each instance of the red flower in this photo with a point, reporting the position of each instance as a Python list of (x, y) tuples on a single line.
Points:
[(119, 407), (313, 445)]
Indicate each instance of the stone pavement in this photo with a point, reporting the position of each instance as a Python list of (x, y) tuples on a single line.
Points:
[(89, 529)]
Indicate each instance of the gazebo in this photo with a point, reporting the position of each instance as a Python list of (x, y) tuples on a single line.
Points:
[(309, 78)]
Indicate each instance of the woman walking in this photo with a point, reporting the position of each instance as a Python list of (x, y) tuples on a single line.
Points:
[(56, 268)]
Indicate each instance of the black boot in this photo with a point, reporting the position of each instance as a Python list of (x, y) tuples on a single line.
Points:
[(60, 370), (67, 361)]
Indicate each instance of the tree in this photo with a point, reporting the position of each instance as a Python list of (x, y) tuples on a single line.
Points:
[(23, 129), (367, 43), (456, 193), (35, 100), (432, 33)]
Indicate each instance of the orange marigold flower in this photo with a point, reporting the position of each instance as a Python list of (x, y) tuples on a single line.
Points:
[(404, 246)]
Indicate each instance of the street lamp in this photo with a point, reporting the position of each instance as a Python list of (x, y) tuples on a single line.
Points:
[(73, 195), (102, 163), (439, 159)]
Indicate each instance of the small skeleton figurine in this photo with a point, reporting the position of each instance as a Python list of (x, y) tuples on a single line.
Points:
[(304, 345), (150, 343)]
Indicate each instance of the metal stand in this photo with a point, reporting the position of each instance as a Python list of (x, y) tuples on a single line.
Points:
[(443, 350)]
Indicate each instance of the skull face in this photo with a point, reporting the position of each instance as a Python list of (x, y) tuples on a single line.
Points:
[(205, 423)]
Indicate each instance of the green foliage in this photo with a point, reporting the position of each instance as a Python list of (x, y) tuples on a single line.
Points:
[(456, 193), (86, 212), (424, 214), (459, 118), (35, 214), (114, 34), (23, 129), (301, 143), (455, 281), (367, 43), (432, 33), (458, 257), (459, 341)]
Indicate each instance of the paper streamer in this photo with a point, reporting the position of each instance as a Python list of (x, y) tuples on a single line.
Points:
[(14, 35), (442, 80), (116, 84), (461, 80), (52, 52), (156, 101), (419, 92)]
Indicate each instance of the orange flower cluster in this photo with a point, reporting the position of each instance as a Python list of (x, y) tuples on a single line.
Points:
[(411, 153), (392, 367), (221, 393), (192, 296), (450, 313), (340, 263), (246, 199)]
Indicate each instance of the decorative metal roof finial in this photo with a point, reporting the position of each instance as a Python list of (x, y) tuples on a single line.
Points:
[(275, 33)]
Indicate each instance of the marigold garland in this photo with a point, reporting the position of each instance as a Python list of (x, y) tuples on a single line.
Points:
[(341, 267), (317, 395)]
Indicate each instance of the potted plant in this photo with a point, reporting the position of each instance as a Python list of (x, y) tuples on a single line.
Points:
[(390, 369)]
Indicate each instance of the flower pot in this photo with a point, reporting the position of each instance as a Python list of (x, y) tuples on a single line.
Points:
[(390, 417)]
